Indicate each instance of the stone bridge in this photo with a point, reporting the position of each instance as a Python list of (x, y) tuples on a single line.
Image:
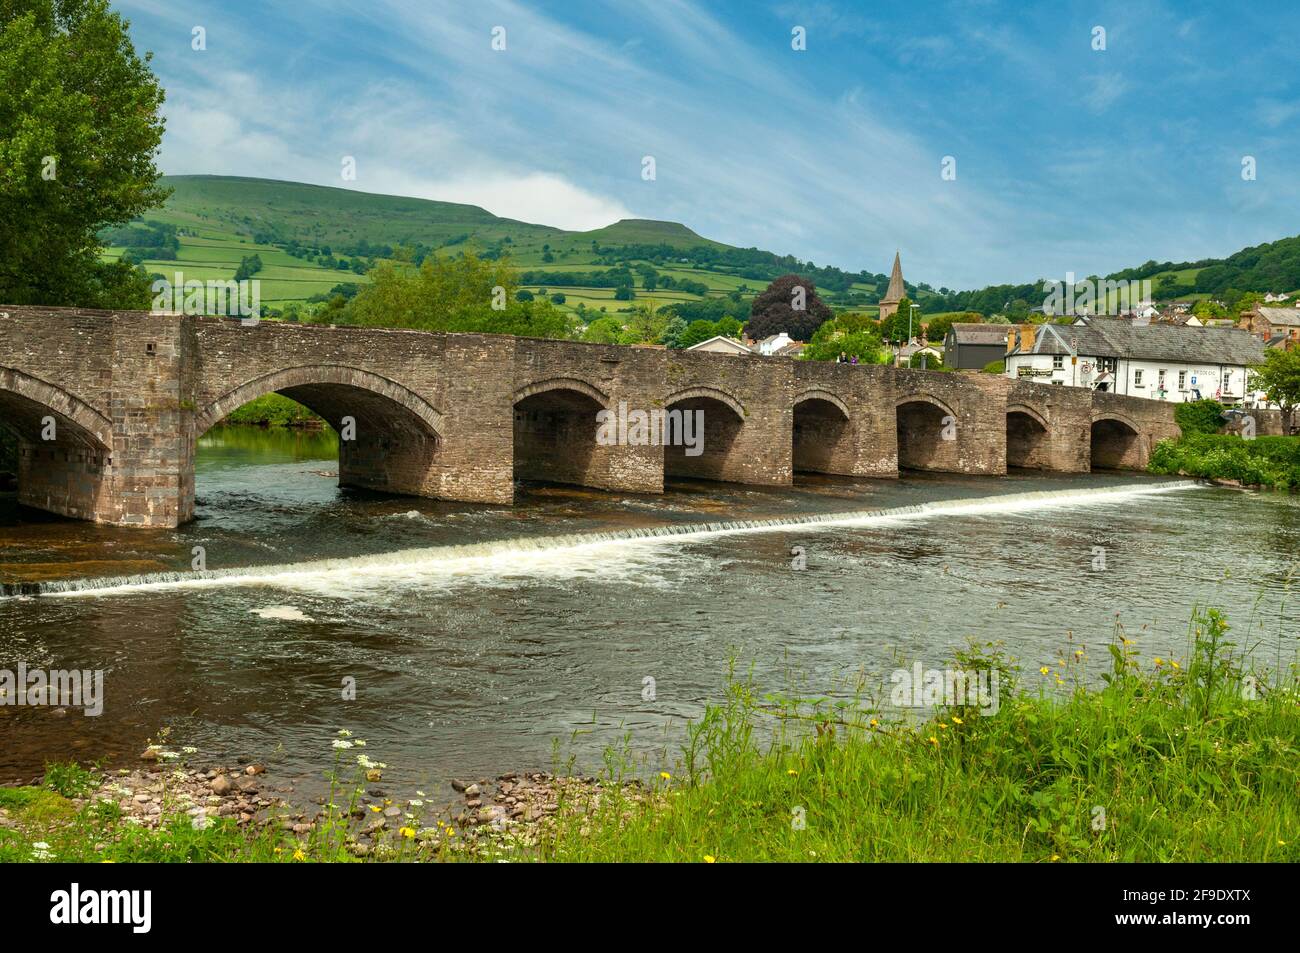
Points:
[(463, 416)]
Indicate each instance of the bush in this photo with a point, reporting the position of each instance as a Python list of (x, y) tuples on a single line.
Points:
[(995, 367), (1265, 461), (1199, 416)]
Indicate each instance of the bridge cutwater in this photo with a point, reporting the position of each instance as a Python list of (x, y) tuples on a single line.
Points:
[(462, 416)]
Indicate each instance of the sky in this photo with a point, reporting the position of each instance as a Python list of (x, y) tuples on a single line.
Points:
[(1060, 156)]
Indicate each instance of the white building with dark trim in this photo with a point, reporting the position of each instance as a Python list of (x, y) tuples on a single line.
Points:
[(1157, 361)]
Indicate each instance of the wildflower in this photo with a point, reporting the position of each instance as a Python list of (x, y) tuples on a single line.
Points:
[(792, 772), (41, 851), (406, 832), (359, 743), (875, 722), (1175, 665), (1044, 670), (710, 859), (1281, 843), (934, 741), (1078, 652), (1159, 661), (340, 745), (299, 855), (190, 749), (957, 721), (665, 775), (1055, 858), (376, 808), (942, 726), (344, 733)]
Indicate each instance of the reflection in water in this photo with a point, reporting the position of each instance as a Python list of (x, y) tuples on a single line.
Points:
[(475, 638)]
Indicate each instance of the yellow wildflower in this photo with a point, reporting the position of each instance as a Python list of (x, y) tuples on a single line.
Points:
[(710, 859)]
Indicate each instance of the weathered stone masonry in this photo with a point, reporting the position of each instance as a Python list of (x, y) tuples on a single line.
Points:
[(463, 416)]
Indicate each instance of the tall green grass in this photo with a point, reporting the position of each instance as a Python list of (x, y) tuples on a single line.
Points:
[(1165, 761)]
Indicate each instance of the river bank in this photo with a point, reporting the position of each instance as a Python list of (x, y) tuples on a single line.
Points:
[(1167, 760)]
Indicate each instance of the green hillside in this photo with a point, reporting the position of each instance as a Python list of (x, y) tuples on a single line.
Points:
[(311, 239)]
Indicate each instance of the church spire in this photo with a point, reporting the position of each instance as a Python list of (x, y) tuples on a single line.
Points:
[(896, 290)]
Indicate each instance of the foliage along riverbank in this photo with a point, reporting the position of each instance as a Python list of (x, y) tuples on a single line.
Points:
[(1202, 451), (275, 410), (1165, 760)]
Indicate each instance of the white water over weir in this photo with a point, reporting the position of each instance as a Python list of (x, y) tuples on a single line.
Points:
[(534, 555)]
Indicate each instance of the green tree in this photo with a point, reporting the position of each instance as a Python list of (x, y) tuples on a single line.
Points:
[(605, 330), (852, 338), (1279, 378), (698, 331), (80, 127), (671, 335), (467, 293)]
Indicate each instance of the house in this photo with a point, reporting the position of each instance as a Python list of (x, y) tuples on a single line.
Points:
[(721, 344), (1158, 361), (1269, 297), (907, 351), (773, 343), (975, 346), (1267, 323)]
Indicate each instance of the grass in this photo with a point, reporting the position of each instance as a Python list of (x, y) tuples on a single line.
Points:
[(1264, 461), (1166, 761), (1161, 761)]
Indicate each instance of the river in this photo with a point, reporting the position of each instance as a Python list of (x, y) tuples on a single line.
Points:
[(484, 639)]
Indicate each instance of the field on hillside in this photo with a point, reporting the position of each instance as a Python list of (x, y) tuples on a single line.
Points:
[(221, 220)]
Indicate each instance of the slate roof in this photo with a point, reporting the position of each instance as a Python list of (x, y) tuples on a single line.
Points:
[(981, 333), (1285, 316), (1152, 342)]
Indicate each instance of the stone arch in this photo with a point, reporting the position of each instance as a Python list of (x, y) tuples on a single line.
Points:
[(69, 474), (825, 395), (924, 398), (1027, 438), (562, 383), (317, 376), (923, 438), (555, 426), (714, 420), (711, 393), (1116, 443), (398, 434), (23, 397), (821, 434)]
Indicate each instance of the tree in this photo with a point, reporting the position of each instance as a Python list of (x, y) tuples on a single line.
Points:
[(467, 293), (1279, 378), (605, 330), (624, 293), (698, 331), (848, 335), (938, 327), (80, 127), (789, 304), (671, 335), (645, 324)]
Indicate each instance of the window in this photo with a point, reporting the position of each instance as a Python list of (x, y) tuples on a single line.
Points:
[(1182, 380), (1137, 377), (1106, 364), (1058, 361)]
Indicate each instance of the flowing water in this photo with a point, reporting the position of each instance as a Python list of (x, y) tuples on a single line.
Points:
[(480, 636)]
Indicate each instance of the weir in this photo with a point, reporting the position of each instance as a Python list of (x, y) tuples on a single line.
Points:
[(462, 416), (482, 558)]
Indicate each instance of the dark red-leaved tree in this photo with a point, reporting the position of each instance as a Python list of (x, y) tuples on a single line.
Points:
[(788, 304)]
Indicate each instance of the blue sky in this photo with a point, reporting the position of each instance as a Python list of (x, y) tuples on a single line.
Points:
[(1067, 158)]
